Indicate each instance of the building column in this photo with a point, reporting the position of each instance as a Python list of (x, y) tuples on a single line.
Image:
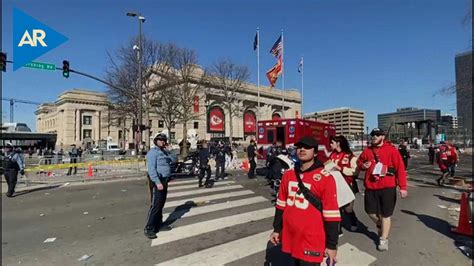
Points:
[(95, 126), (77, 138)]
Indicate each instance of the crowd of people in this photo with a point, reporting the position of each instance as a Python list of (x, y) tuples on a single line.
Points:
[(308, 217)]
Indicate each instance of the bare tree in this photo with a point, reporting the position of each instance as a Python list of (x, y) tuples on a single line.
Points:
[(173, 97), (229, 78), (189, 83), (124, 73)]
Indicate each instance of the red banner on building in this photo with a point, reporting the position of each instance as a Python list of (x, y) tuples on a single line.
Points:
[(250, 122), (196, 104), (276, 116), (215, 121)]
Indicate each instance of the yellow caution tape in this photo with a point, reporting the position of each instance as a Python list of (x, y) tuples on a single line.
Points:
[(86, 164)]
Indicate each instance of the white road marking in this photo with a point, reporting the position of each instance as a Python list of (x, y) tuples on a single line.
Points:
[(175, 188), (180, 182), (211, 225), (348, 254), (202, 191), (442, 206), (208, 198), (219, 206), (225, 253)]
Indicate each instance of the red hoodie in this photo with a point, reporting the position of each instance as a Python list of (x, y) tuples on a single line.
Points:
[(389, 156)]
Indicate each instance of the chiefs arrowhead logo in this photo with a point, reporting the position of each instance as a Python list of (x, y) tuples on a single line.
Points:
[(215, 120), (317, 177)]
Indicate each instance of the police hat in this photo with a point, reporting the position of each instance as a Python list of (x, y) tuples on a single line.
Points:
[(307, 141), (377, 131), (160, 136)]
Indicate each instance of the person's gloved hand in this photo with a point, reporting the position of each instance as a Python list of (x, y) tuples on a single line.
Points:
[(22, 172)]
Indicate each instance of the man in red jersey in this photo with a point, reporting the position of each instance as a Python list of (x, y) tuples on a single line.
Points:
[(307, 230), (384, 169)]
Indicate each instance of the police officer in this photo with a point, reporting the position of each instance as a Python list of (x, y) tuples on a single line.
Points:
[(275, 165), (159, 162), (204, 165), (220, 160), (12, 164), (74, 153)]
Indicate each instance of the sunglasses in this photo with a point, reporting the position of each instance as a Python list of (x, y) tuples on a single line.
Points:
[(377, 135), (306, 147)]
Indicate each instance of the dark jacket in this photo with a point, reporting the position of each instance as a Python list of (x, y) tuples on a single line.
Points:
[(204, 155)]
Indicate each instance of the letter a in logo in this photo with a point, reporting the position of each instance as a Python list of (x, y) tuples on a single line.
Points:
[(31, 39)]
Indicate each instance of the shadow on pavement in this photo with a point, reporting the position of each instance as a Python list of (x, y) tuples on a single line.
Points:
[(179, 212), (434, 223), (363, 229), (443, 227), (275, 257), (24, 192), (447, 199)]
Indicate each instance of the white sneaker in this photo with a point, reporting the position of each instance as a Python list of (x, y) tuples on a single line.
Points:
[(383, 245)]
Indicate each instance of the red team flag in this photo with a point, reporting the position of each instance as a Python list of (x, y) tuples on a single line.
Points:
[(274, 72)]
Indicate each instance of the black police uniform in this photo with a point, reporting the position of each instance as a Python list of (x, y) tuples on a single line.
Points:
[(12, 164), (74, 153), (220, 162), (204, 166), (251, 153)]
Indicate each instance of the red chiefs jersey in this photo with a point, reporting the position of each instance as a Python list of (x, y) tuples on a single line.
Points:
[(389, 156), (347, 163), (303, 234)]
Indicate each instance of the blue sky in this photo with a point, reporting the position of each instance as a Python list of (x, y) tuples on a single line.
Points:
[(372, 55)]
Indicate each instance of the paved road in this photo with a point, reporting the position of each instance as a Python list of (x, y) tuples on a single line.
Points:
[(228, 224)]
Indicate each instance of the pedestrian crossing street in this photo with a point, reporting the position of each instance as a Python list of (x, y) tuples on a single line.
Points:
[(226, 224)]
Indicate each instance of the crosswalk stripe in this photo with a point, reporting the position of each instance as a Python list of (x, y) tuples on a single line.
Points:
[(225, 253), (181, 182), (202, 191), (218, 207), (348, 254), (175, 188), (211, 225), (208, 198)]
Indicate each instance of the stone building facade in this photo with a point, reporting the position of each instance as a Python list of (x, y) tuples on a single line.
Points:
[(83, 117)]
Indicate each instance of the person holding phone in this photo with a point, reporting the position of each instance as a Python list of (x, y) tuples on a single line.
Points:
[(384, 169)]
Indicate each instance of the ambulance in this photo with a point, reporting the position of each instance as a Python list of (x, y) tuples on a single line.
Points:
[(289, 131)]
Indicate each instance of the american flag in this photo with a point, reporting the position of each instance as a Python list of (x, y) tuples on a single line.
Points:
[(277, 48)]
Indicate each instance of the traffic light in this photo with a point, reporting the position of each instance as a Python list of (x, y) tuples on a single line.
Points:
[(66, 69), (3, 62)]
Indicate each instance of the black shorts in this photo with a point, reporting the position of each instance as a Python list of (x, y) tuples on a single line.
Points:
[(380, 201)]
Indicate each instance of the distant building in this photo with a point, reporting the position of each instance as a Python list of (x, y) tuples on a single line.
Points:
[(463, 65), (449, 121), (349, 122), (84, 118), (410, 122)]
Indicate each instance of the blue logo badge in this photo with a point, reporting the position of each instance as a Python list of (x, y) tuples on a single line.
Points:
[(31, 39), (261, 130), (292, 129)]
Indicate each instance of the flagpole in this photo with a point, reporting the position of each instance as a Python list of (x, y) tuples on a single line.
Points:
[(258, 78), (282, 76), (302, 88)]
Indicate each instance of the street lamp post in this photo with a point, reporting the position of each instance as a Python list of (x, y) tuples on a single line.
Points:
[(141, 20)]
